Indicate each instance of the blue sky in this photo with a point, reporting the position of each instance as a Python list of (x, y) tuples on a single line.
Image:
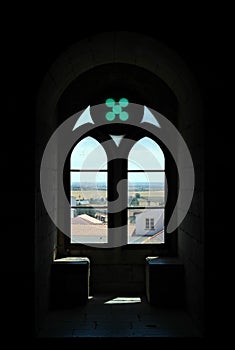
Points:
[(145, 154)]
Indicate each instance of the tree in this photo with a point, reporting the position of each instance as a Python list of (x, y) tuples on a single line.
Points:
[(135, 202)]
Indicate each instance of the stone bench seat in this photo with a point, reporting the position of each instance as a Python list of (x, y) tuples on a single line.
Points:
[(165, 285), (70, 279)]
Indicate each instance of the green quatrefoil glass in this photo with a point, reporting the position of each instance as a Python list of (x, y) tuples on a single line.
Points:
[(117, 109)]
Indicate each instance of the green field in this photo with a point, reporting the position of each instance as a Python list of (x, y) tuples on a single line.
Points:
[(89, 194)]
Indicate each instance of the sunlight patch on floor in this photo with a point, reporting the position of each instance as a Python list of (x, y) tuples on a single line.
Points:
[(124, 300)]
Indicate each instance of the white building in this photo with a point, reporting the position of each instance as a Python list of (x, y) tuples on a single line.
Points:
[(149, 222), (73, 204), (73, 201)]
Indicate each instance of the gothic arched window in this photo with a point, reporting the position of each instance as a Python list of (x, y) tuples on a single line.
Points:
[(91, 193)]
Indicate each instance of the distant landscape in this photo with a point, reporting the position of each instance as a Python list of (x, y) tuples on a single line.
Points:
[(139, 194)]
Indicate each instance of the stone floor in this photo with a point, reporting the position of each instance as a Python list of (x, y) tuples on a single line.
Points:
[(117, 317)]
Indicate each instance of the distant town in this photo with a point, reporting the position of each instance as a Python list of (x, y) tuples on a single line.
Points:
[(140, 186)]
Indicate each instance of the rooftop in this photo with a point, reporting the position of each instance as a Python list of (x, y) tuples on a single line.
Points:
[(86, 220)]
